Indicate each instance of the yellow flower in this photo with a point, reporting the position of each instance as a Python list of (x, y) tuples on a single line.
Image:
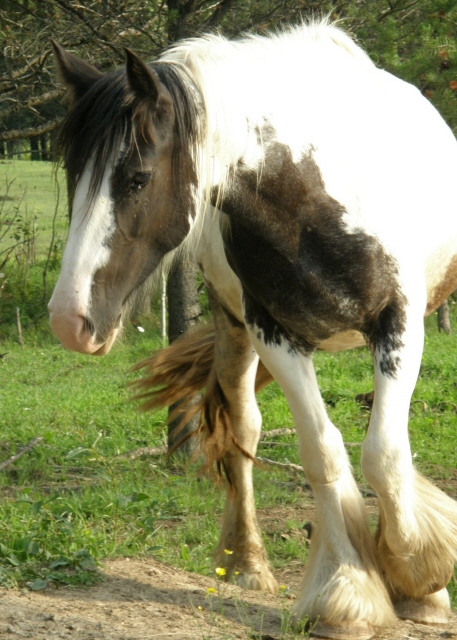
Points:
[(200, 608), (211, 590), (229, 553), (237, 573), (282, 587), (221, 571)]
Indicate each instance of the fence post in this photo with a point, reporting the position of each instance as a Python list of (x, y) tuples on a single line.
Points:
[(19, 326)]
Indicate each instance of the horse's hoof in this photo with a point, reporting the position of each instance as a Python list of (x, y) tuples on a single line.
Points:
[(344, 631), (430, 609), (419, 611), (257, 581)]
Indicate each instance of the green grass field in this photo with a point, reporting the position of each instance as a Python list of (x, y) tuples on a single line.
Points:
[(33, 229), (33, 187), (72, 501)]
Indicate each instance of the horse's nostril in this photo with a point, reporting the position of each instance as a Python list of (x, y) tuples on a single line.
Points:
[(89, 326)]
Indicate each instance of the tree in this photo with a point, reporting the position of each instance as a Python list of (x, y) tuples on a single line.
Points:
[(183, 313), (413, 38), (30, 102)]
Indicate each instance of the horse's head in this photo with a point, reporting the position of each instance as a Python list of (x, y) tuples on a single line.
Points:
[(127, 144)]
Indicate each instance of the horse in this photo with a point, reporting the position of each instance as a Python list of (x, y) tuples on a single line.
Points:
[(316, 193)]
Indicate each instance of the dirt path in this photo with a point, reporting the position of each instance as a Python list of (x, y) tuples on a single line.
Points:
[(145, 599)]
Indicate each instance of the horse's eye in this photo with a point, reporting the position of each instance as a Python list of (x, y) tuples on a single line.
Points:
[(141, 179)]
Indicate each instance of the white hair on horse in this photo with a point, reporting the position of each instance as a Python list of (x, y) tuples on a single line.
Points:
[(246, 84)]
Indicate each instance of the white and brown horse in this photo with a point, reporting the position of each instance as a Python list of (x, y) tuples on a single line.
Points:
[(317, 193)]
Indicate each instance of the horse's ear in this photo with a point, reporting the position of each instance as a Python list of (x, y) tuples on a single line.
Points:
[(77, 74), (146, 85)]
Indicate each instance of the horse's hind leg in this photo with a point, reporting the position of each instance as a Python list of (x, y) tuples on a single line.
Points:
[(241, 550), (343, 594), (417, 537)]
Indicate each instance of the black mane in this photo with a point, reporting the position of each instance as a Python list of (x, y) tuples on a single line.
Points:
[(109, 115)]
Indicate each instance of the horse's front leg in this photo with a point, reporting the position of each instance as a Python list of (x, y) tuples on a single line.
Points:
[(417, 536), (343, 594), (241, 550)]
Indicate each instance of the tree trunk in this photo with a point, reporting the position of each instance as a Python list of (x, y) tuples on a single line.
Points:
[(43, 147), (34, 149), (183, 313), (52, 144)]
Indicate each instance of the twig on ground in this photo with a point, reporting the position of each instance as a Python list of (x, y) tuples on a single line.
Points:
[(143, 452), (424, 404), (271, 443), (284, 465), (20, 453), (277, 432), (155, 452)]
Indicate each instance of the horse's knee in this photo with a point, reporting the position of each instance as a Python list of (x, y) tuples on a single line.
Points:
[(387, 467), (324, 457)]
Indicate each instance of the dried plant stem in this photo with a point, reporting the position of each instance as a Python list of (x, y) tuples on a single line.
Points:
[(20, 453)]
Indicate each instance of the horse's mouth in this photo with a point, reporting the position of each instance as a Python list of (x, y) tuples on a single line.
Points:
[(106, 346)]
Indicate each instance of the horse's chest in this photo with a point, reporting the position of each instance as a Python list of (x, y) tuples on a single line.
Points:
[(303, 275)]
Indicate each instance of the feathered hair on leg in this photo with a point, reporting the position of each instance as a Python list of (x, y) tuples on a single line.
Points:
[(183, 374)]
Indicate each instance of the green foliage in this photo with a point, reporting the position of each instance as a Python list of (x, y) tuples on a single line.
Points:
[(415, 41)]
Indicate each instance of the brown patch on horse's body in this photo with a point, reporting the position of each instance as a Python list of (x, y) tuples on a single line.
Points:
[(306, 279), (443, 289)]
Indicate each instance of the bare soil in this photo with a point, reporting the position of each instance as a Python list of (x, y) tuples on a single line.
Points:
[(143, 599)]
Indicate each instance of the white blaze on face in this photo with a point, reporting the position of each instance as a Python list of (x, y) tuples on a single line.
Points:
[(92, 225)]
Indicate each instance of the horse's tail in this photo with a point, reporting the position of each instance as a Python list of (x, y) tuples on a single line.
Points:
[(184, 374)]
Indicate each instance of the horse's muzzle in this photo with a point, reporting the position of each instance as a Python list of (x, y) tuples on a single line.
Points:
[(75, 335)]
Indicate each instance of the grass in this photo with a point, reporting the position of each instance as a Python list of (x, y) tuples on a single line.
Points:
[(33, 228), (71, 501), (32, 186), (72, 494)]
